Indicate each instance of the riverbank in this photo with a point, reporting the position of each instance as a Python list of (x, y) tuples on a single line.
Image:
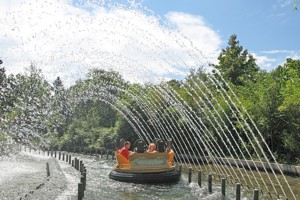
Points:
[(23, 176), (290, 170)]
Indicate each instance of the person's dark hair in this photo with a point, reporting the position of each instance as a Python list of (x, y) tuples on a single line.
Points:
[(125, 143), (121, 143)]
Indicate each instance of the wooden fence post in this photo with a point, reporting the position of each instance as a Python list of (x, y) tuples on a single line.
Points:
[(190, 175), (84, 175), (223, 187), (210, 183), (80, 191), (255, 194), (199, 178), (47, 169), (238, 191)]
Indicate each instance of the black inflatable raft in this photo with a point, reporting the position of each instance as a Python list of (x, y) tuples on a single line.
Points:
[(157, 177)]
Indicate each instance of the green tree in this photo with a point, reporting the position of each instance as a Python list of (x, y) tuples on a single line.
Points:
[(274, 105), (236, 64), (29, 116), (60, 109), (7, 97), (295, 4), (3, 87), (290, 109), (91, 121)]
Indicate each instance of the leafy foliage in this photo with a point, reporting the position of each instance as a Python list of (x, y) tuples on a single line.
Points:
[(199, 110), (236, 64)]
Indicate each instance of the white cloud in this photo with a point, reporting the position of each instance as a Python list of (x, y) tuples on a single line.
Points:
[(270, 59), (202, 36), (264, 62), (285, 3), (65, 40), (278, 51), (282, 3), (295, 57)]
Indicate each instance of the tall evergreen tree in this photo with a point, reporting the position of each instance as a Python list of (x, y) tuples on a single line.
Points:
[(59, 108), (2, 91), (236, 64), (28, 119)]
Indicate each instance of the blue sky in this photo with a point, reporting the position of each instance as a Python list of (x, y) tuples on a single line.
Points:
[(260, 25), (68, 39), (267, 28)]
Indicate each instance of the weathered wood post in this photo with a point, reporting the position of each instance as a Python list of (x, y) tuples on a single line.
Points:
[(199, 178), (80, 191), (107, 153), (238, 191), (75, 163), (48, 152), (76, 159), (80, 166), (190, 174), (51, 153), (59, 155), (210, 183), (84, 175), (47, 169), (54, 154), (67, 156), (63, 157), (255, 194), (70, 159), (82, 181), (223, 187), (101, 152)]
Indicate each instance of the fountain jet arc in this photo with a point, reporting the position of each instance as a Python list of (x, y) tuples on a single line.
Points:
[(72, 37)]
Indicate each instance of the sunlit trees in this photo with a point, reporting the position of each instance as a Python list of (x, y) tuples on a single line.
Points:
[(103, 107), (60, 109), (273, 102), (290, 108), (3, 91), (27, 120), (236, 64)]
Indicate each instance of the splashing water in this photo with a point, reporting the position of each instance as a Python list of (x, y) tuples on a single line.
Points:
[(68, 38)]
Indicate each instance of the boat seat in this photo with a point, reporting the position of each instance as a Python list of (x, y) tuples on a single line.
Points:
[(161, 147), (121, 159), (140, 146), (155, 141), (169, 145), (171, 157)]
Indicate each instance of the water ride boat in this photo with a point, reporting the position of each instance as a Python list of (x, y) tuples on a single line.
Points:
[(146, 167)]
